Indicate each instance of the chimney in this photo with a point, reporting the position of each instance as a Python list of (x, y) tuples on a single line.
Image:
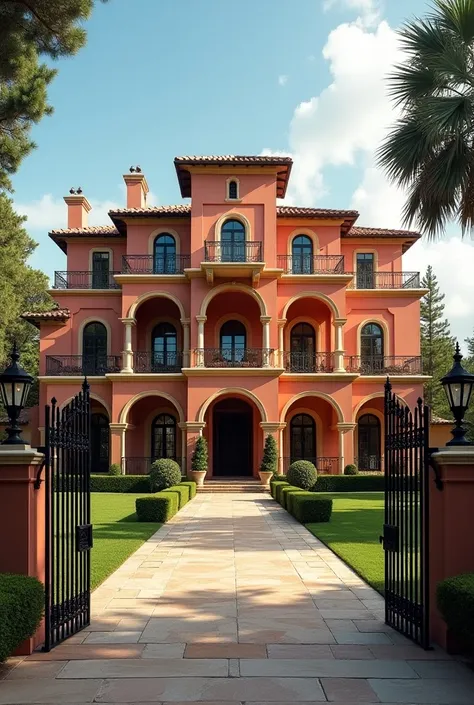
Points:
[(137, 188), (77, 209)]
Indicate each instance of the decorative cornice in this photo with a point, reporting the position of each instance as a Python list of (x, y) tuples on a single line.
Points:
[(345, 426), (455, 455), (272, 426), (192, 426)]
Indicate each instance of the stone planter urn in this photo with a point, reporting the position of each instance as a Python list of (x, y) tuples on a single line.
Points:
[(198, 476), (265, 477)]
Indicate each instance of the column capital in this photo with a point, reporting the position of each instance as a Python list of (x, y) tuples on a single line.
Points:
[(118, 426), (129, 321), (272, 426), (201, 319), (344, 426), (185, 321), (340, 321), (281, 322), (192, 426), (265, 319)]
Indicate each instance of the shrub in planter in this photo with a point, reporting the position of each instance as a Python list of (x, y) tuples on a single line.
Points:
[(115, 469), (308, 509), (302, 474), (164, 473), (192, 487), (138, 484), (351, 470), (21, 610), (455, 601), (182, 491), (199, 460), (159, 507), (270, 456)]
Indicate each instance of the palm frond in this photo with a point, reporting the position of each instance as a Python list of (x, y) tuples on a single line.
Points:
[(405, 150), (466, 206), (409, 83), (440, 116), (422, 38), (456, 16)]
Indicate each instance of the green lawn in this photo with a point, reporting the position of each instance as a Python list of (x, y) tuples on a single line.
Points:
[(353, 533), (117, 534)]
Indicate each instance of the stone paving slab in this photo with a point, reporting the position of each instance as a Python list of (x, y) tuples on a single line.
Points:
[(235, 602)]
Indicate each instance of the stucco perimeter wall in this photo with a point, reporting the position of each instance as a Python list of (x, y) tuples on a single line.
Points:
[(399, 316)]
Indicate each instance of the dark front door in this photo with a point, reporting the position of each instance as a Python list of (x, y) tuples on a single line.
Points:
[(100, 270), (232, 438)]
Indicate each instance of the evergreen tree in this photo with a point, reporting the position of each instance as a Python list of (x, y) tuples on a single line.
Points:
[(29, 30), (437, 344), (270, 456), (200, 458)]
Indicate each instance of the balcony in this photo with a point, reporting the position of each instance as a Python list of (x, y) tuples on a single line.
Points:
[(149, 264), (385, 280), (301, 362), (157, 363), (384, 365), (324, 465), (308, 264), (232, 259), (142, 465), (238, 358), (85, 280), (82, 365)]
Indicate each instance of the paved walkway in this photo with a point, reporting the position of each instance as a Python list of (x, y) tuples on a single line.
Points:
[(235, 602)]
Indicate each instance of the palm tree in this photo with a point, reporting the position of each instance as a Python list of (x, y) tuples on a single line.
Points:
[(430, 150)]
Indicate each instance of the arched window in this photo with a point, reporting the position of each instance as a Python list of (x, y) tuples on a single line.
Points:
[(302, 348), (368, 427), (233, 241), (99, 442), (303, 438), (163, 437), (372, 348), (302, 255), (164, 348), (94, 349), (232, 189), (164, 254), (233, 342)]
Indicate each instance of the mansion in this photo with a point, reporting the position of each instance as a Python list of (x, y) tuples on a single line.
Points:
[(233, 317)]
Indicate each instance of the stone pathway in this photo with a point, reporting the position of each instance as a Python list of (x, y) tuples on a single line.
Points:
[(235, 602)]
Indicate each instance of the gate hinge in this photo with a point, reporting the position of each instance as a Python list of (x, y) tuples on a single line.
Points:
[(435, 467), (390, 538), (38, 481)]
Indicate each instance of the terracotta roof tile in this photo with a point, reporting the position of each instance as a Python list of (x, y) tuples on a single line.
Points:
[(153, 211), (297, 211), (57, 314), (358, 231), (89, 230)]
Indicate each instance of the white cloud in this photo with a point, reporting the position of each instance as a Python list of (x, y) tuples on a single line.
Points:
[(49, 213), (282, 80), (369, 10)]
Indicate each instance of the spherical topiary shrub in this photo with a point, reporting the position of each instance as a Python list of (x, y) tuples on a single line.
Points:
[(115, 469), (302, 474), (164, 473), (351, 470)]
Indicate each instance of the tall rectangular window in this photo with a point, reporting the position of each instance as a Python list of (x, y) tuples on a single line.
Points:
[(100, 270), (365, 270)]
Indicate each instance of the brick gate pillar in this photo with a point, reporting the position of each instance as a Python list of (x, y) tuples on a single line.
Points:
[(22, 520), (451, 538)]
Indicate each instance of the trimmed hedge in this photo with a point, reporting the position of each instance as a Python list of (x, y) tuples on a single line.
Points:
[(308, 509), (138, 484), (192, 487), (21, 610), (291, 497), (349, 483), (285, 493), (277, 488), (455, 600), (182, 491), (160, 507)]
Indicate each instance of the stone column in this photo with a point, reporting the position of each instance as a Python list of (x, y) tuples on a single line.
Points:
[(339, 345), (200, 342), (117, 444), (451, 538), (343, 428), (22, 520), (186, 351), (265, 320), (192, 431), (281, 342), (127, 354)]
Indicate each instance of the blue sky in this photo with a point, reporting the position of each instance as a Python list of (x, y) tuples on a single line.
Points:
[(159, 78)]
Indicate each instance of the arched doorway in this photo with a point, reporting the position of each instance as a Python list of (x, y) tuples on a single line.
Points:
[(164, 347), (302, 255), (164, 254), (94, 349), (372, 348), (369, 442), (302, 347), (233, 342), (303, 438), (100, 443), (233, 241), (232, 453), (163, 437)]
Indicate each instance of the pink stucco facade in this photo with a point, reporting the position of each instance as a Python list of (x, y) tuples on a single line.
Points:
[(233, 317)]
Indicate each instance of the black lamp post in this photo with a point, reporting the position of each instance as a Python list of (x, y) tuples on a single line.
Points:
[(15, 384), (458, 384)]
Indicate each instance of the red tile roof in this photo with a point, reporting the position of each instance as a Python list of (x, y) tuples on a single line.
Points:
[(299, 212), (91, 231), (153, 211), (36, 317), (358, 231), (181, 164)]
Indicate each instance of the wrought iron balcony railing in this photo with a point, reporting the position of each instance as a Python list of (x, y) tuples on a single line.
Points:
[(239, 357), (218, 251), (150, 264), (311, 264), (82, 365), (85, 280), (369, 463), (301, 362), (164, 362), (384, 365), (326, 465), (142, 466), (385, 280)]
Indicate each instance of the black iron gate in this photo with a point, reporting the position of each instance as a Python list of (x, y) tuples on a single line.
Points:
[(405, 532), (68, 527)]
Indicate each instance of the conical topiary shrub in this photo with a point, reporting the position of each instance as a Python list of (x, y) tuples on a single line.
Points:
[(270, 456), (200, 458)]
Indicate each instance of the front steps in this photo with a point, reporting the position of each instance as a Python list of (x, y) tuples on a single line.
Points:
[(234, 484)]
